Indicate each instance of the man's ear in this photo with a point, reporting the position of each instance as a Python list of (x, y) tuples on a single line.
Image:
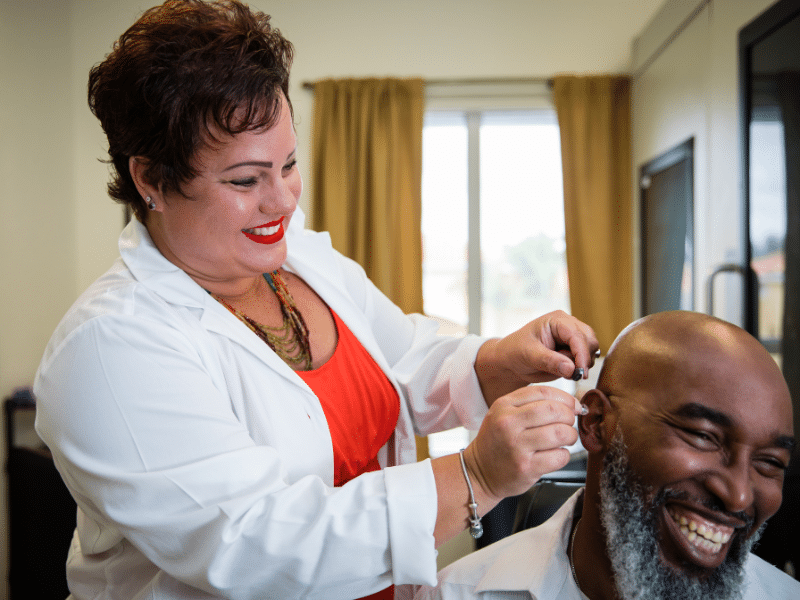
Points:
[(137, 167), (595, 427)]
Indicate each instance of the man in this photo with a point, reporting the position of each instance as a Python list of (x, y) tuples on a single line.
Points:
[(689, 433)]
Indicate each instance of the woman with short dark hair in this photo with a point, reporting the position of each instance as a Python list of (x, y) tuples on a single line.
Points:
[(233, 404)]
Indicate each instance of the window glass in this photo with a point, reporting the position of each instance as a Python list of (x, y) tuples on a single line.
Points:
[(522, 220), (520, 216), (444, 217)]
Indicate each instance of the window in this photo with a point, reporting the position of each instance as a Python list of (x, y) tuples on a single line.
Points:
[(492, 224)]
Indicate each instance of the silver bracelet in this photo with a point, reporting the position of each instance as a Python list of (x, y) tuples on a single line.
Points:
[(475, 527)]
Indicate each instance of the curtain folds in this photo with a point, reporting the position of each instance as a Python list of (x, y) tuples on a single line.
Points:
[(367, 169), (594, 119)]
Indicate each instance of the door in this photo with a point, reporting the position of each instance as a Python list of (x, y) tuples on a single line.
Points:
[(667, 226), (769, 58)]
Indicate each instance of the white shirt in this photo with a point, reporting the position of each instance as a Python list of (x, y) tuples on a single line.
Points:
[(202, 465), (534, 564), (529, 564)]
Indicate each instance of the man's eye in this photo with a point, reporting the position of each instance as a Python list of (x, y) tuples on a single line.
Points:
[(773, 465), (700, 438)]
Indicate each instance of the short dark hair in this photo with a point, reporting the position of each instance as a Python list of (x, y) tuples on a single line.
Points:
[(183, 67)]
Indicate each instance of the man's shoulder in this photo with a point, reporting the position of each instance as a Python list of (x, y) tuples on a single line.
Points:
[(470, 569), (530, 562), (501, 570), (764, 580)]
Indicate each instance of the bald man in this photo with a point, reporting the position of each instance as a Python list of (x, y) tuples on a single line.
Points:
[(689, 433)]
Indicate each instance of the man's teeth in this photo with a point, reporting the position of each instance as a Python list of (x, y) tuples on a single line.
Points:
[(264, 230), (703, 536)]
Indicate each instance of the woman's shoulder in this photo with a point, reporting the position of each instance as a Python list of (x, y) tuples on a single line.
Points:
[(116, 292), (114, 301)]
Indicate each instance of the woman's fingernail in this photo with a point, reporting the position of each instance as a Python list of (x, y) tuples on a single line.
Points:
[(584, 410)]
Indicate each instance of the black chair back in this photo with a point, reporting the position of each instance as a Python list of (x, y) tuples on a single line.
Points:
[(41, 514), (543, 500)]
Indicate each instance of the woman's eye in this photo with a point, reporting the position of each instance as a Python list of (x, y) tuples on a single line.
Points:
[(244, 182), (290, 165)]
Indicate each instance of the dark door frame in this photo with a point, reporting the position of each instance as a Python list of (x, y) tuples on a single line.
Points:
[(670, 158)]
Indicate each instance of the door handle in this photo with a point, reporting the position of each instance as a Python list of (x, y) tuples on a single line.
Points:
[(723, 268)]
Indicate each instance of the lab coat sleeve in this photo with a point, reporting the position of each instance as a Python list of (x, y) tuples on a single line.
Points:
[(152, 451)]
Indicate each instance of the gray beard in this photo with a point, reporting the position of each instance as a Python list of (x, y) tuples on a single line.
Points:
[(632, 540)]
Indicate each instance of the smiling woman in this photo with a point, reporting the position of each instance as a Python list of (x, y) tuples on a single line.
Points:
[(244, 185), (296, 387)]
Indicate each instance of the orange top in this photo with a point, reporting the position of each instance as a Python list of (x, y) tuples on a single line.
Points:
[(361, 407)]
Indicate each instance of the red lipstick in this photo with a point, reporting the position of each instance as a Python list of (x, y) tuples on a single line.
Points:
[(270, 238)]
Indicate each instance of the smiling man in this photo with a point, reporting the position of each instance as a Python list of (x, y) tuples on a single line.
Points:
[(689, 433)]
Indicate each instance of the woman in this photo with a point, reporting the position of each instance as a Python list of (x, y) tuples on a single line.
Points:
[(233, 404)]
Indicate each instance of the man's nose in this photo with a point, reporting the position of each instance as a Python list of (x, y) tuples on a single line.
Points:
[(732, 484)]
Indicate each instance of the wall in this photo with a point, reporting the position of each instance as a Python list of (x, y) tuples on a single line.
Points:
[(49, 46), (37, 216), (691, 90)]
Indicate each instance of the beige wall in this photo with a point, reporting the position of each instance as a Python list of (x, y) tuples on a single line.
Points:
[(691, 90), (61, 228), (37, 214)]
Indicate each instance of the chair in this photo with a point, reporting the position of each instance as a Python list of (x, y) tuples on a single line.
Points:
[(544, 499), (41, 514)]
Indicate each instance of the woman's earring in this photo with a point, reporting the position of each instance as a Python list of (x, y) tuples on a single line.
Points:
[(150, 203)]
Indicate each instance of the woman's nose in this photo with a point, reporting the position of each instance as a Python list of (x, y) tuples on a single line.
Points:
[(281, 196)]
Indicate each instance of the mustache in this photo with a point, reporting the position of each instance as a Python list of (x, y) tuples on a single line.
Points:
[(712, 503)]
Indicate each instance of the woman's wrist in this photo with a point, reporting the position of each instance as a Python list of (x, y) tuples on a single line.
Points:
[(454, 513)]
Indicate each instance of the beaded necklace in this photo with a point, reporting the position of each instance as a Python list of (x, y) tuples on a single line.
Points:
[(290, 340)]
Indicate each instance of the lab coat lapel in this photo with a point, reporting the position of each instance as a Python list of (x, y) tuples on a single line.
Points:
[(218, 319), (171, 283), (311, 256)]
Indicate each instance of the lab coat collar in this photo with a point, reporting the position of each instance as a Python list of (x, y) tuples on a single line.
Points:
[(526, 564), (151, 269), (310, 256)]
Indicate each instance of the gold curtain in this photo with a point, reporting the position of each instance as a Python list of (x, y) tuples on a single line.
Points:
[(367, 169), (367, 166), (594, 119)]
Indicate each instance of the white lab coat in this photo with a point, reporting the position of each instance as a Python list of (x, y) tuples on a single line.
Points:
[(202, 464)]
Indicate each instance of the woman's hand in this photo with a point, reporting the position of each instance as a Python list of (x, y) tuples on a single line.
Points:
[(552, 346), (522, 438)]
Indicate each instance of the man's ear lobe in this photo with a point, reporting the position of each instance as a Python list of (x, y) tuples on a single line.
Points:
[(593, 426)]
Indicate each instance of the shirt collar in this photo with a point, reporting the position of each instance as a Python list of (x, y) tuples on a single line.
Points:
[(537, 560), (309, 255)]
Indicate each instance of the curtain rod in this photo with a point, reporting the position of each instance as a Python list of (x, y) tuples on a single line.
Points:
[(309, 85)]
